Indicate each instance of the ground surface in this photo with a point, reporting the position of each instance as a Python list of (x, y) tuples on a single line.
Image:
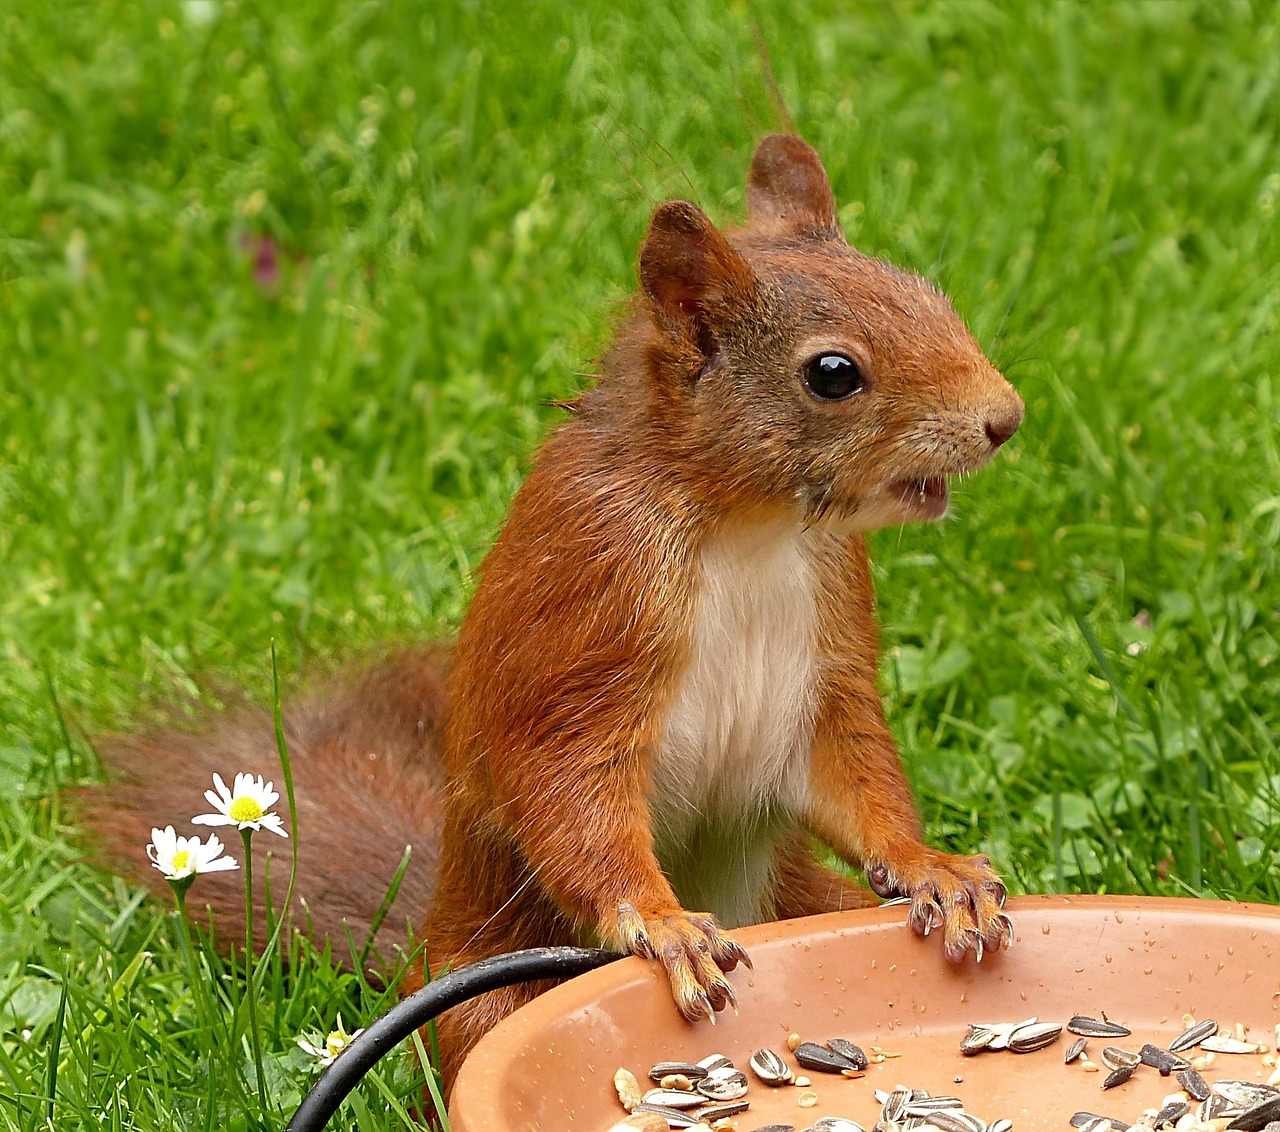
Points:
[(285, 297)]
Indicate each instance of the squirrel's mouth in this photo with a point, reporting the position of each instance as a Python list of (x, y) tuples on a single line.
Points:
[(925, 495)]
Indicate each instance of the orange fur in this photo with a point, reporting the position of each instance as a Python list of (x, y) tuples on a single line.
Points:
[(619, 584)]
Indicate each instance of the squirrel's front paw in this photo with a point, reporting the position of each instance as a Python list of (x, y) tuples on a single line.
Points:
[(693, 950), (962, 895)]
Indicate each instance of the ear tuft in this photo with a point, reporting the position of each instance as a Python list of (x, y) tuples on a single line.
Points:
[(788, 191), (687, 267)]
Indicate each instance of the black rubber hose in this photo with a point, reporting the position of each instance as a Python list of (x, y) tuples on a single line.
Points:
[(439, 995)]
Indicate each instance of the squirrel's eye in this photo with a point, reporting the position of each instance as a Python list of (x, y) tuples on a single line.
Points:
[(833, 377)]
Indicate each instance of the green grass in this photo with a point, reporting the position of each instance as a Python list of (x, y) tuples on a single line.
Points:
[(1083, 664)]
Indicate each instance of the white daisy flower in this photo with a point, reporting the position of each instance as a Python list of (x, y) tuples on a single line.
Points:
[(324, 1051), (180, 858), (247, 805)]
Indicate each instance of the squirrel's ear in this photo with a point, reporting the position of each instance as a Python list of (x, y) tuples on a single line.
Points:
[(688, 268), (788, 190)]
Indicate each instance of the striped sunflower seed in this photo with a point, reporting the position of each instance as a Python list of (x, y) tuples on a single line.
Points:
[(1194, 1035), (1113, 1057), (770, 1068), (1097, 1027), (1118, 1076), (1195, 1086), (1029, 1037)]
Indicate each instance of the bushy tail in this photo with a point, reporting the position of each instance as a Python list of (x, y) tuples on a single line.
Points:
[(368, 779)]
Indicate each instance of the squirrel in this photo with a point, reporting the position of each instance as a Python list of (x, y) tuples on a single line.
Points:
[(664, 692)]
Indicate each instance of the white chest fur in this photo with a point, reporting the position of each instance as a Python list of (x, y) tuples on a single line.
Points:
[(732, 769)]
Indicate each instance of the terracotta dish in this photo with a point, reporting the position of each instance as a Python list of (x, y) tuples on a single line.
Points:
[(864, 976)]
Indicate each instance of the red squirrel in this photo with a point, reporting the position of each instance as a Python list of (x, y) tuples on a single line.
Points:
[(665, 687)]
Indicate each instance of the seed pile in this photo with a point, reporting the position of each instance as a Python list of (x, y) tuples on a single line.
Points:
[(1223, 1106), (712, 1093)]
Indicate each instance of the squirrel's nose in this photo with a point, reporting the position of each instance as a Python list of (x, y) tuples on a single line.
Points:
[(1004, 422)]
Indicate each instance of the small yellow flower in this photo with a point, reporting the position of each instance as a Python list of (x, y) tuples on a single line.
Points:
[(324, 1051), (181, 857), (247, 805)]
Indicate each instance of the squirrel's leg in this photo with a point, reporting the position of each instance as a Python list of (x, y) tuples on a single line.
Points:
[(573, 864), (802, 886), (588, 840), (860, 804), (607, 877), (859, 800)]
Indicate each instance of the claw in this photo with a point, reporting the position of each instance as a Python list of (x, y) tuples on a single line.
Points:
[(925, 915), (1005, 927), (697, 1006), (632, 932), (730, 994), (728, 953)]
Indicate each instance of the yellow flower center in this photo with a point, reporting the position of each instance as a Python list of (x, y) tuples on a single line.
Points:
[(181, 860), (245, 809)]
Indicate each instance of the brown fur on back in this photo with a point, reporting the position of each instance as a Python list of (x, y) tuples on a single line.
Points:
[(365, 755)]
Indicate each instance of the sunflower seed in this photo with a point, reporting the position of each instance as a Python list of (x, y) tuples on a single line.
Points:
[(894, 1105), (1118, 1076), (956, 1120), (1195, 1086), (672, 1098), (770, 1068), (926, 1105), (1080, 1119), (1029, 1037), (1001, 1125), (1245, 1094), (1214, 1106), (821, 1059), (1162, 1059), (976, 1040), (671, 1068), (836, 1124), (1258, 1117), (1074, 1050), (714, 1061), (776, 1128), (1097, 1028), (1194, 1035), (1004, 1031), (1113, 1057), (1216, 1044), (713, 1112), (846, 1048), (1171, 1113), (725, 1084), (674, 1117), (1096, 1124)]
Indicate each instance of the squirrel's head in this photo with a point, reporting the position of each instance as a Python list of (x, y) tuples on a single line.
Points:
[(788, 367)]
